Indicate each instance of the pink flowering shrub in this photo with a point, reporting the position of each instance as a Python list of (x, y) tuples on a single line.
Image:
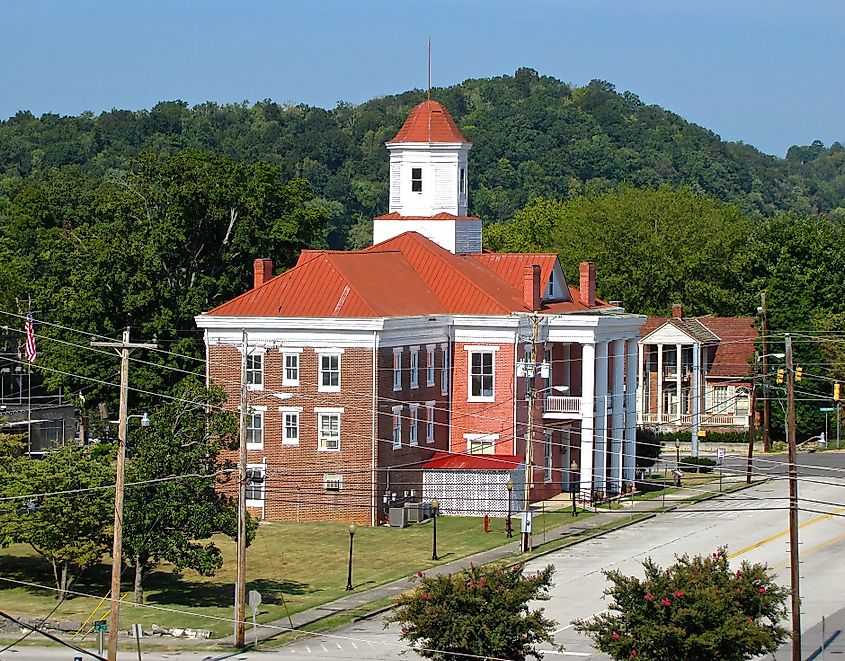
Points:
[(695, 609), (480, 612)]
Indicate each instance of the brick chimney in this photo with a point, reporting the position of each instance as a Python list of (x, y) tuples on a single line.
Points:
[(588, 284), (531, 287), (677, 311), (262, 271)]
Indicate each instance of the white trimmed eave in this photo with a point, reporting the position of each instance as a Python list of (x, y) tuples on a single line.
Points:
[(231, 323), (429, 146), (668, 333)]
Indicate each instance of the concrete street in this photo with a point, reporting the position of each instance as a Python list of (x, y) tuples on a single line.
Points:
[(752, 523)]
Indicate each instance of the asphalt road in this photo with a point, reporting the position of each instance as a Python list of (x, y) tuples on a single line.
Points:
[(751, 523)]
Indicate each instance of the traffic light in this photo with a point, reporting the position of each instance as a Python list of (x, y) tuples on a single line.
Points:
[(780, 376), (836, 391), (799, 373)]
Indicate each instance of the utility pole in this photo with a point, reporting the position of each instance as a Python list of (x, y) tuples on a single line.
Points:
[(793, 504), (752, 422), (123, 348), (240, 595), (767, 443), (531, 392)]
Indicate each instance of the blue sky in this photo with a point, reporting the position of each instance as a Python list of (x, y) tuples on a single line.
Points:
[(767, 72)]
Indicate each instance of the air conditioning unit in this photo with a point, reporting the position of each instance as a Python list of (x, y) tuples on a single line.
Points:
[(398, 517), (332, 482)]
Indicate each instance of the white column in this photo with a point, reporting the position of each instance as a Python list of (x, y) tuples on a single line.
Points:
[(600, 452), (617, 428), (567, 367), (629, 449), (659, 383), (679, 354), (641, 396), (588, 421), (696, 396)]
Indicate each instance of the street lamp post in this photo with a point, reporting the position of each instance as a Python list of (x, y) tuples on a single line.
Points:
[(508, 526), (352, 528), (575, 484), (435, 506)]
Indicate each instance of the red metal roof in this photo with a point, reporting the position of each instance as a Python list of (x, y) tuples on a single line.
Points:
[(406, 275), (443, 461), (429, 122), (438, 216), (511, 266)]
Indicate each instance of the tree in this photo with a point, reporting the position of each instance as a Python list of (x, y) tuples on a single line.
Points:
[(168, 520), (695, 610), (151, 248), (479, 612), (72, 530), (652, 248)]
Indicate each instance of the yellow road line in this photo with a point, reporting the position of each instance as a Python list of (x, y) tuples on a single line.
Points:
[(784, 533)]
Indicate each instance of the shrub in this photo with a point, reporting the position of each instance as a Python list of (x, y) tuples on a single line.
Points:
[(697, 464), (696, 609), (648, 448), (478, 613)]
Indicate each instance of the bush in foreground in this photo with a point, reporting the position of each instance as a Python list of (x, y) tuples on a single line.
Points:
[(695, 610), (479, 612)]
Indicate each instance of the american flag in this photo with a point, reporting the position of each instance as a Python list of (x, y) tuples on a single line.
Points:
[(29, 331)]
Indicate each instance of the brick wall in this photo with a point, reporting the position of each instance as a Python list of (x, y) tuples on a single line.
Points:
[(294, 488), (494, 417), (400, 469)]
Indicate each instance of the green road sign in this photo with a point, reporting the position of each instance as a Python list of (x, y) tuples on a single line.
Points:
[(101, 625), (827, 409)]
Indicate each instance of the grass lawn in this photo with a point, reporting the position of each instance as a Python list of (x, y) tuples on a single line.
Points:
[(298, 565)]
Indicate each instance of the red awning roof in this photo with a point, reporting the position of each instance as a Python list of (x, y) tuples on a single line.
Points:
[(429, 122), (502, 462)]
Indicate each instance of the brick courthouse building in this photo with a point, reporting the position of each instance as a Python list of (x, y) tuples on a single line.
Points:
[(368, 368)]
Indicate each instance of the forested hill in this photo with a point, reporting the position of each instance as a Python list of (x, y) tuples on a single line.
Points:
[(533, 136)]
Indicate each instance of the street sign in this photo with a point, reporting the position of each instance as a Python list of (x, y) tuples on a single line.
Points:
[(101, 625), (526, 523), (720, 455), (254, 599), (827, 409), (137, 631)]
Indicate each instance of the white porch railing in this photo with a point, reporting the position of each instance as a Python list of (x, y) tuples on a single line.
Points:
[(556, 404), (685, 419)]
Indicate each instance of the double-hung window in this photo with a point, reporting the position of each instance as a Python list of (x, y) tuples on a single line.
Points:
[(397, 427), (429, 422), (415, 367), (444, 372), (329, 377), (255, 485), (481, 443), (397, 368), (290, 367), (290, 425), (416, 180), (413, 431), (547, 456), (254, 429), (255, 370), (328, 429), (429, 366), (481, 381)]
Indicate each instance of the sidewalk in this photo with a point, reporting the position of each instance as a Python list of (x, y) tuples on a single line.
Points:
[(577, 530)]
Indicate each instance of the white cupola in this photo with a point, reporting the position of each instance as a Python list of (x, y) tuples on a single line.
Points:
[(428, 182)]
